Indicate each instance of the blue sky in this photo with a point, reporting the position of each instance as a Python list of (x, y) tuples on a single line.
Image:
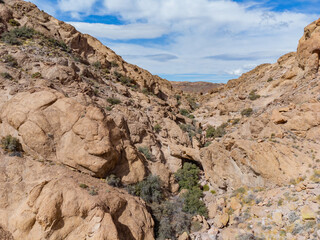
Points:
[(191, 40)]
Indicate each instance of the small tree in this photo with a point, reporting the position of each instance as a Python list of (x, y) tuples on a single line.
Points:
[(149, 189), (188, 176)]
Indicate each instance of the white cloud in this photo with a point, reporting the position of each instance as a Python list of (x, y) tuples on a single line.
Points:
[(76, 5), (206, 36), (121, 32)]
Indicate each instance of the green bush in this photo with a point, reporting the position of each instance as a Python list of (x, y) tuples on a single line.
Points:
[(53, 43), (82, 185), (253, 96), (97, 65), (113, 101), (214, 133), (178, 97), (149, 189), (11, 144), (146, 152), (36, 75), (184, 112), (108, 108), (193, 204), (188, 176), (210, 131), (157, 128), (247, 112), (6, 75), (13, 36), (207, 144), (14, 23), (113, 180), (206, 188), (10, 61), (270, 79), (114, 64)]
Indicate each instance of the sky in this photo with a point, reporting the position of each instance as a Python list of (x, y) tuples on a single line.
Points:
[(191, 40)]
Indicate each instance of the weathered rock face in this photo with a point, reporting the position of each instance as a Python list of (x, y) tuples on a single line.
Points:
[(41, 201), (60, 129)]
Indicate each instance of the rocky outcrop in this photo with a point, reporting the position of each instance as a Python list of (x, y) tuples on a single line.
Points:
[(265, 146), (60, 129), (45, 201)]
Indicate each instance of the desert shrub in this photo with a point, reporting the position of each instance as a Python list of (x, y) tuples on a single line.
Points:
[(270, 79), (192, 102), (23, 32), (145, 91), (127, 81), (113, 101), (190, 129), (193, 204), (14, 23), (10, 61), (184, 112), (207, 144), (206, 188), (213, 192), (214, 133), (157, 128), (53, 43), (280, 202), (235, 121), (292, 217), (113, 180), (6, 75), (239, 191), (247, 112), (108, 108), (12, 145), (178, 97), (12, 37), (149, 189), (210, 131), (97, 65), (188, 176), (93, 191), (316, 176), (253, 96), (248, 236), (195, 226), (170, 220), (146, 152), (36, 75), (114, 64), (82, 185)]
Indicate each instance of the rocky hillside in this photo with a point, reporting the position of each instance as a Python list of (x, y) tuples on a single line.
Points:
[(196, 87), (93, 147)]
